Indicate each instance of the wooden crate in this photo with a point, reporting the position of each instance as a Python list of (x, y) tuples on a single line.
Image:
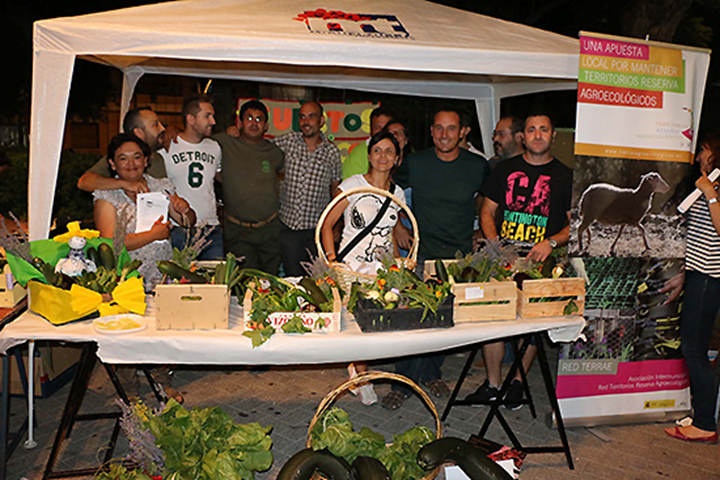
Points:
[(278, 319), (474, 302), (10, 291), (550, 288), (192, 307)]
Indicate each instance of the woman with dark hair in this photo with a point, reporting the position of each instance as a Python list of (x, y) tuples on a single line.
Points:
[(128, 158), (702, 297), (359, 211), (400, 131)]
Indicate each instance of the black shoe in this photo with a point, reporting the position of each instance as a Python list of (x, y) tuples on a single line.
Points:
[(514, 397), (485, 394)]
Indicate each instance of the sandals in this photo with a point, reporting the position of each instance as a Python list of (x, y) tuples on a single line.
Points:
[(438, 388), (675, 432), (394, 400), (172, 393)]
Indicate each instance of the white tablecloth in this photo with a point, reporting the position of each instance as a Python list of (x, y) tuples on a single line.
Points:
[(229, 347)]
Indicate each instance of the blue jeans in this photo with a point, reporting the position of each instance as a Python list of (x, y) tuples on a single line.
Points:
[(700, 307), (214, 250)]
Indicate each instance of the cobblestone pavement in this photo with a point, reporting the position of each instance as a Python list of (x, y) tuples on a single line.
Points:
[(286, 398)]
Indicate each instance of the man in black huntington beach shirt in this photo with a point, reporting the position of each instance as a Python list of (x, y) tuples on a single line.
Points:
[(531, 193)]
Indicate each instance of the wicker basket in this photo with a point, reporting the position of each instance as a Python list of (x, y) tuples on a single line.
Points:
[(370, 377), (347, 277)]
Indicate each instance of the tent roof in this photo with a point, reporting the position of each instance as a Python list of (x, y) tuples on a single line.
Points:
[(429, 37)]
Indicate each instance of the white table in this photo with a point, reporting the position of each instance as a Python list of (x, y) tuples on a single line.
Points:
[(230, 347)]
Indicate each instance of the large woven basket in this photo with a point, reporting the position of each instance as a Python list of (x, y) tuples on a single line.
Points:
[(370, 377), (345, 275)]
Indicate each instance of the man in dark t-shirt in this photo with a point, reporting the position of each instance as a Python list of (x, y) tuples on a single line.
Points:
[(531, 194), (445, 180)]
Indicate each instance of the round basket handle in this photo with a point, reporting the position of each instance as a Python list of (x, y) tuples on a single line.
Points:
[(369, 377), (412, 254)]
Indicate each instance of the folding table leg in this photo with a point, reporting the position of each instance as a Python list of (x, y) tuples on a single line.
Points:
[(77, 392), (495, 405), (4, 413), (154, 386), (553, 399), (458, 385), (523, 376)]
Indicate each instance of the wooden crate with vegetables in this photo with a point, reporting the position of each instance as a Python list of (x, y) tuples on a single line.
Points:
[(551, 297), (481, 288), (199, 300), (275, 305)]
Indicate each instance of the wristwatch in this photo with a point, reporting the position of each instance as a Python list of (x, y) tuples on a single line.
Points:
[(553, 243), (712, 200)]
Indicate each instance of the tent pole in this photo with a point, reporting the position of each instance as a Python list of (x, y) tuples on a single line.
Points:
[(52, 74), (131, 77)]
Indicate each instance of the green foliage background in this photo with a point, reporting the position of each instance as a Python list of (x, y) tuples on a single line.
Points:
[(70, 202)]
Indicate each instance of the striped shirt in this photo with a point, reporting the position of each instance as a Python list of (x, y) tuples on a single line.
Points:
[(703, 243)]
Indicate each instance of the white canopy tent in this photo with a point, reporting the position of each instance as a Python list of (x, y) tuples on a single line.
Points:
[(389, 46)]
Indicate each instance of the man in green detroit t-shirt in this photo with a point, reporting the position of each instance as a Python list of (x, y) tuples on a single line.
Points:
[(445, 180)]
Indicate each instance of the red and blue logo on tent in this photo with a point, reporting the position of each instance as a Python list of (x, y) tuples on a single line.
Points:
[(354, 24)]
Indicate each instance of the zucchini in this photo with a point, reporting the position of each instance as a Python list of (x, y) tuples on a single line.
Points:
[(107, 256), (92, 254), (38, 262), (305, 463), (175, 272), (368, 468), (440, 271), (317, 295), (128, 268), (51, 277), (547, 266), (468, 457)]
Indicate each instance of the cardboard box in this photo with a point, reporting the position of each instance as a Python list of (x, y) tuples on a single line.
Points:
[(10, 291), (548, 289), (192, 307), (278, 319), (481, 302), (54, 367)]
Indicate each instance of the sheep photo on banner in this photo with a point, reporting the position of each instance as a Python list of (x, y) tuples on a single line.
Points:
[(638, 111)]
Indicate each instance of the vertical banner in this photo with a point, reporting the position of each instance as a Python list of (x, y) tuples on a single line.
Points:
[(346, 124), (638, 110)]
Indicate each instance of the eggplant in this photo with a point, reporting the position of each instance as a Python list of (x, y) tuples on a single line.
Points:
[(305, 463), (468, 457), (368, 468)]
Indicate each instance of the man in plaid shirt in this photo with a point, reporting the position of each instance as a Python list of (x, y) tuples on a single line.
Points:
[(313, 171)]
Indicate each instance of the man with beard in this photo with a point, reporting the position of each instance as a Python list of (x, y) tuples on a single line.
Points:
[(144, 124), (445, 180), (507, 139), (251, 165), (531, 193), (193, 161), (313, 170)]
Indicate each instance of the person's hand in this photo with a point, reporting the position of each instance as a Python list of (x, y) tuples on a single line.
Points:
[(674, 286), (170, 137), (403, 236), (179, 204), (706, 186), (160, 230), (233, 131), (540, 251), (478, 237), (139, 186)]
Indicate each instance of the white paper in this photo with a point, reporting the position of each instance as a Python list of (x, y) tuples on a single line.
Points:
[(150, 207), (471, 293), (693, 197)]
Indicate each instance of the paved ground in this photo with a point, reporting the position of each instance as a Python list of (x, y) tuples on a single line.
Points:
[(287, 398)]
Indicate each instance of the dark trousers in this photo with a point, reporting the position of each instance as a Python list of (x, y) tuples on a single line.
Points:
[(259, 246), (421, 368), (295, 245), (700, 307)]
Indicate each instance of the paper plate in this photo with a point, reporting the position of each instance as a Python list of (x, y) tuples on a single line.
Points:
[(119, 324)]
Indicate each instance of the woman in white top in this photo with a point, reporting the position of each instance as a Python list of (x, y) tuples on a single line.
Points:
[(360, 210)]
